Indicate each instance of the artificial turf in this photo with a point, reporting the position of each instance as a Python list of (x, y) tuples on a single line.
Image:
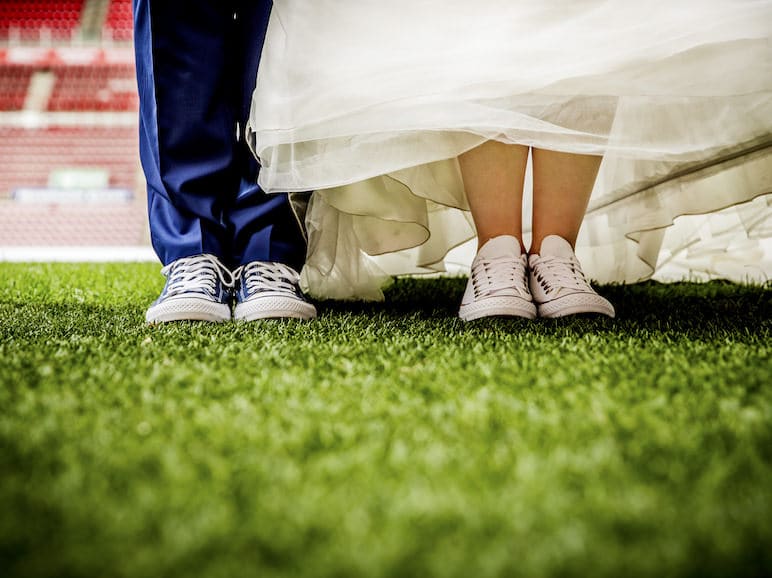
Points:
[(382, 439)]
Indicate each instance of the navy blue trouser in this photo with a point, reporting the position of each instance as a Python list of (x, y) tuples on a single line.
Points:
[(196, 68)]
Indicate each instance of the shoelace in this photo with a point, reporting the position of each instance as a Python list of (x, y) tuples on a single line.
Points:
[(264, 276), (196, 274), (498, 274), (560, 272)]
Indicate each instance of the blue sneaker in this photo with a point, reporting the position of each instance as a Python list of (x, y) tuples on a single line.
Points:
[(269, 291), (197, 288)]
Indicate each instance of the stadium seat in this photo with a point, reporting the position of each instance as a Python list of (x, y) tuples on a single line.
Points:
[(119, 23), (29, 18), (29, 155), (94, 87), (14, 82)]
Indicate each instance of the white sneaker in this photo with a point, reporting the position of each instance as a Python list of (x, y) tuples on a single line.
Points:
[(497, 285), (267, 290), (197, 288), (558, 284)]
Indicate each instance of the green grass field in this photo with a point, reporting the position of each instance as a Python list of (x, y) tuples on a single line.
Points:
[(382, 439)]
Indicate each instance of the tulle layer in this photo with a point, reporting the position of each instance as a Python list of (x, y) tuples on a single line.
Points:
[(369, 105)]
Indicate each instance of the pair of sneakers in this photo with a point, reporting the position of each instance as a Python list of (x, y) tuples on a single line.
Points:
[(506, 282), (201, 288)]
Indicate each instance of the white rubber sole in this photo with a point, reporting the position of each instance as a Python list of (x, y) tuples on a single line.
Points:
[(274, 307), (576, 304), (188, 309), (502, 306)]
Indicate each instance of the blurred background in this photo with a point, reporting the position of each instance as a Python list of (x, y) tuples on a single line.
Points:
[(71, 186), (70, 179)]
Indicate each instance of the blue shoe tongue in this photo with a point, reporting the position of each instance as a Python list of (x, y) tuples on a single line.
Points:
[(502, 246)]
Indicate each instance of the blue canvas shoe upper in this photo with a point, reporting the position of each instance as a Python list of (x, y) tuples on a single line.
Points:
[(201, 276), (197, 288), (269, 290), (260, 278)]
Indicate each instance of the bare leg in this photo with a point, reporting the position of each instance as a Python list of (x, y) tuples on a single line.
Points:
[(493, 176), (562, 184)]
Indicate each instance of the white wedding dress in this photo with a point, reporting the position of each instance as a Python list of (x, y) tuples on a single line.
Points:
[(368, 103)]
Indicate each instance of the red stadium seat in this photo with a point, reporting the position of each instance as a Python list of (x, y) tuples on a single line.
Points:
[(14, 82), (90, 119), (73, 224), (29, 155), (118, 23), (28, 18), (96, 87)]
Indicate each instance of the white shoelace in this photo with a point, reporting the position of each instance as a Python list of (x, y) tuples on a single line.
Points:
[(265, 276), (560, 272), (491, 276), (196, 274)]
